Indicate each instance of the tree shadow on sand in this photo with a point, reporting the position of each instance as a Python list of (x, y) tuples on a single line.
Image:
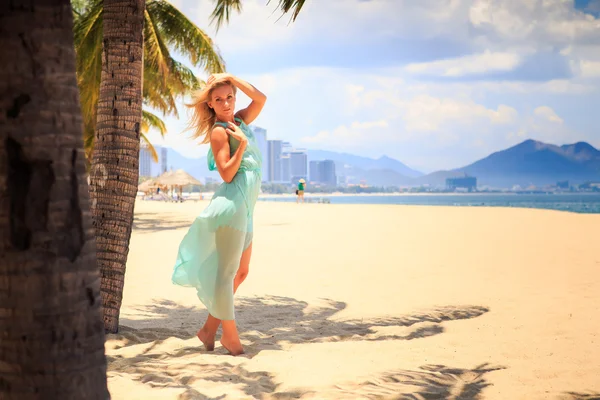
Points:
[(581, 396), (155, 222), (274, 323), (197, 379), (430, 382)]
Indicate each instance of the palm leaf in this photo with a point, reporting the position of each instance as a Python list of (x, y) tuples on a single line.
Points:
[(150, 120), (223, 9), (156, 54), (150, 147), (185, 36), (287, 5), (87, 34), (165, 79)]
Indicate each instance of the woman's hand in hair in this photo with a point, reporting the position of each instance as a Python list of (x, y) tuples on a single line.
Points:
[(214, 77)]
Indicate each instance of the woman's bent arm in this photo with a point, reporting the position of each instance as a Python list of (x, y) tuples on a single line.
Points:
[(259, 99), (227, 165)]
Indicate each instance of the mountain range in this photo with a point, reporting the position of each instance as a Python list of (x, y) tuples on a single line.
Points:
[(528, 163)]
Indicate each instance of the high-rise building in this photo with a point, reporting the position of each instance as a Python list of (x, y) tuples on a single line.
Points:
[(328, 177), (286, 168), (299, 164), (286, 147), (163, 160), (145, 161), (261, 141), (315, 172), (274, 156), (323, 172)]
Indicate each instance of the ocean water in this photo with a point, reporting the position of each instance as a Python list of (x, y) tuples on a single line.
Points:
[(574, 202)]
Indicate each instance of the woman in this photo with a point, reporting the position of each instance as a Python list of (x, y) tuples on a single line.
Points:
[(300, 190), (214, 256)]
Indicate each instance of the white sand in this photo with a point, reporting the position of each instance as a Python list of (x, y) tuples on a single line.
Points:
[(361, 301)]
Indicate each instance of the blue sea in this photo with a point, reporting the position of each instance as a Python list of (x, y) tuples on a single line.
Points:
[(575, 202)]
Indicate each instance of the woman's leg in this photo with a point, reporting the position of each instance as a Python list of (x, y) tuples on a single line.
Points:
[(229, 242), (230, 338), (207, 333), (242, 272)]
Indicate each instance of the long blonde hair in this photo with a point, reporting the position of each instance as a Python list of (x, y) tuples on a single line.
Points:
[(203, 117)]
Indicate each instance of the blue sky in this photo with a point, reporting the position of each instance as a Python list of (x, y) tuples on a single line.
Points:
[(436, 84)]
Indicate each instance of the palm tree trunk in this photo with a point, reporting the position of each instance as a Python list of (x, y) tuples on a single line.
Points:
[(51, 336), (114, 169)]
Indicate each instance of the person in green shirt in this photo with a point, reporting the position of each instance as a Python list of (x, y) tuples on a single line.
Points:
[(300, 191)]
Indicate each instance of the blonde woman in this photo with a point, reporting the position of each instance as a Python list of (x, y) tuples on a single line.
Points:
[(214, 256)]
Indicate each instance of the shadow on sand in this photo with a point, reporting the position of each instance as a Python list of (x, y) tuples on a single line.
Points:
[(156, 222), (581, 396), (287, 320), (275, 323)]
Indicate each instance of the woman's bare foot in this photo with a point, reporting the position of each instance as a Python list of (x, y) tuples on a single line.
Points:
[(233, 347), (207, 339)]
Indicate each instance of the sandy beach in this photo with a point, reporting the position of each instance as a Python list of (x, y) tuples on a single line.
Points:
[(372, 302)]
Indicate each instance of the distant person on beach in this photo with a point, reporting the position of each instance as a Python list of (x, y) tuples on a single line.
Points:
[(300, 191), (214, 256)]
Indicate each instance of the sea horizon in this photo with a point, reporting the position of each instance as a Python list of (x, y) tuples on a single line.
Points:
[(579, 202)]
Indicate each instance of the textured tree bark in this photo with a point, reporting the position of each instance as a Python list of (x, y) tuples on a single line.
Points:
[(51, 331), (114, 170)]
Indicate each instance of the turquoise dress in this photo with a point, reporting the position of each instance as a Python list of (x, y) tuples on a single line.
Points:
[(209, 254)]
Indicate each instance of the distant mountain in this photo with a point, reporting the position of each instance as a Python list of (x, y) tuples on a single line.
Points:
[(529, 163), (383, 171), (363, 163)]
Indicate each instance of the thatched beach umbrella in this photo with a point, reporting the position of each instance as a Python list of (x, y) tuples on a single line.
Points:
[(147, 185), (177, 178)]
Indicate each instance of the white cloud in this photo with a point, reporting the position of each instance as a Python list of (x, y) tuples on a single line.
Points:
[(353, 137), (473, 64), (376, 111), (545, 125), (261, 24), (387, 113), (589, 69), (427, 113), (538, 22), (547, 113)]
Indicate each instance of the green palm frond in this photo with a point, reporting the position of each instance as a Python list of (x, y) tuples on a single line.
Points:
[(287, 5), (166, 29), (185, 36), (79, 7), (156, 53), (87, 34), (183, 78), (223, 9), (157, 93), (150, 147), (150, 120)]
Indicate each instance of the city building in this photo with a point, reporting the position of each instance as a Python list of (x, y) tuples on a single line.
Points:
[(163, 160), (299, 165), (286, 167), (261, 141), (274, 157), (328, 172), (315, 172), (465, 182), (323, 172), (145, 161)]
